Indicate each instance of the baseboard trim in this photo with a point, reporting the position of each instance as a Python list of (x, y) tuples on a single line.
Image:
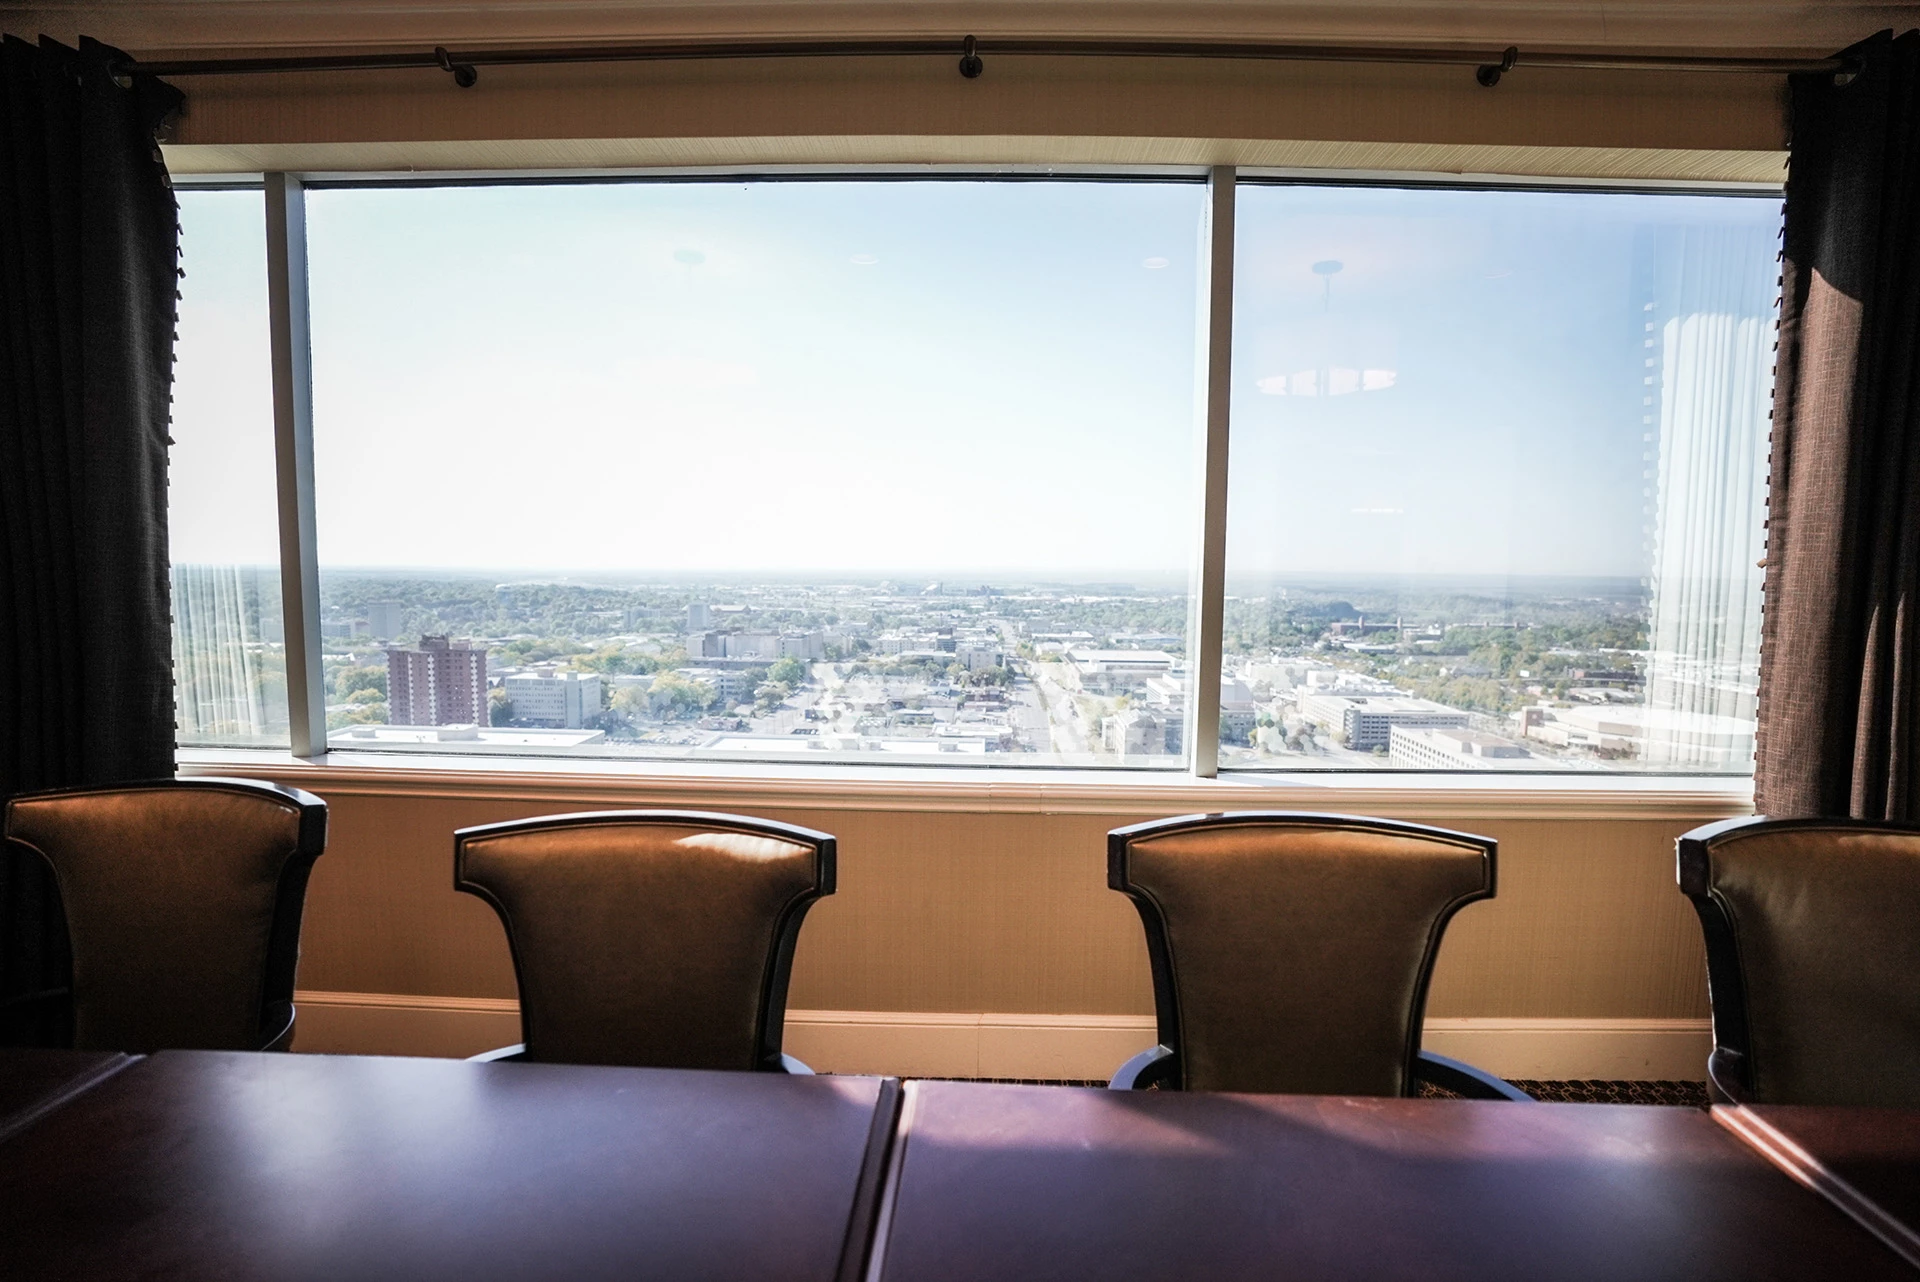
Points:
[(929, 1044), (402, 1024), (1636, 1050), (943, 1044)]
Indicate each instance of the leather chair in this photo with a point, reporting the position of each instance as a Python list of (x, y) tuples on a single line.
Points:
[(1812, 930), (651, 938), (183, 900), (1291, 952)]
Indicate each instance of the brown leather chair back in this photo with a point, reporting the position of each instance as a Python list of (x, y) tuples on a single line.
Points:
[(1291, 952), (1812, 929), (654, 938), (183, 900)]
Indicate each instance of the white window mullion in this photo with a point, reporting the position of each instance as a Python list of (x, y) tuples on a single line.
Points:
[(293, 455), (1214, 386)]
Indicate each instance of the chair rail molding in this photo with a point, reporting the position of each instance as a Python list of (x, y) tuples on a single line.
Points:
[(1013, 791)]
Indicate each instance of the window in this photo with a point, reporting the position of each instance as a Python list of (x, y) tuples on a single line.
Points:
[(1498, 479), (828, 471), (229, 656), (906, 470)]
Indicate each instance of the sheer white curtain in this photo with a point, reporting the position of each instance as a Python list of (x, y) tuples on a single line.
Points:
[(1710, 326)]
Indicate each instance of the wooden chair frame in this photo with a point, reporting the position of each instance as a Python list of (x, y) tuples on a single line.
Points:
[(290, 896), (768, 1057), (1160, 1066), (1730, 1064)]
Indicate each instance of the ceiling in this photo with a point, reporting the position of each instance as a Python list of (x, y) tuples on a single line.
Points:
[(1749, 26)]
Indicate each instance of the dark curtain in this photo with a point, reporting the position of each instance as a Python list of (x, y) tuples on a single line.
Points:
[(89, 246), (1839, 667)]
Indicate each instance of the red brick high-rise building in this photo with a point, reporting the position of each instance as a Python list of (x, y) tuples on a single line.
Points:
[(442, 683)]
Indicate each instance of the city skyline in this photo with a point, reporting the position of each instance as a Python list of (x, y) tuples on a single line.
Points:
[(988, 673)]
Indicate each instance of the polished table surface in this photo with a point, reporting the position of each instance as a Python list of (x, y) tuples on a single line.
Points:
[(1058, 1183), (33, 1082), (1877, 1150), (242, 1166), (1866, 1161), (239, 1166)]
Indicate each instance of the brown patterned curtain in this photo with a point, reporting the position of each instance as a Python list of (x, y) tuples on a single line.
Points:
[(88, 254), (1840, 650)]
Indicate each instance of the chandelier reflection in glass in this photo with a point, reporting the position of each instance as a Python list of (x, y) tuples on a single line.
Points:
[(1331, 355)]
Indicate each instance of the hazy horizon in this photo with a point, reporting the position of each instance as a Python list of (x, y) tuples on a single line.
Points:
[(1545, 584)]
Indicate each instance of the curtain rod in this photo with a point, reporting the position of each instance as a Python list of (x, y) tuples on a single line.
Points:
[(1489, 66)]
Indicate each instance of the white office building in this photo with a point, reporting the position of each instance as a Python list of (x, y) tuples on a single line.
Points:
[(561, 699), (1454, 750), (386, 619), (731, 684), (976, 656), (1367, 720), (808, 647), (749, 645), (1635, 733), (1112, 671), (1135, 733)]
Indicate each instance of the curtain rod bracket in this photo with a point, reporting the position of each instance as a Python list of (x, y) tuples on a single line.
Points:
[(1489, 75), (463, 73), (970, 64)]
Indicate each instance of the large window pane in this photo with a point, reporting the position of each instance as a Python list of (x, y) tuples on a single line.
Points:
[(1498, 479), (873, 471), (230, 669)]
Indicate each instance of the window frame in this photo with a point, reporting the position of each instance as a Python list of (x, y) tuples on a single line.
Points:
[(1046, 787)]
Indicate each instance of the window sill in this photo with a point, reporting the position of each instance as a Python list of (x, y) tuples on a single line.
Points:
[(711, 785)]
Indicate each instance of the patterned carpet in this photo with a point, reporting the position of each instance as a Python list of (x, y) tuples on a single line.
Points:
[(1674, 1094), (1678, 1094)]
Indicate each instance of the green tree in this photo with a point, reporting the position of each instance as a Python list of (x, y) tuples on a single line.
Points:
[(788, 671), (356, 677), (677, 696)]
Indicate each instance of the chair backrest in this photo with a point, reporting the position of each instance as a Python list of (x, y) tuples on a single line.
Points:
[(183, 900), (653, 938), (1812, 929), (1291, 952)]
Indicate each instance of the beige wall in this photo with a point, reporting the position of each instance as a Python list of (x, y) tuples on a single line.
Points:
[(1027, 111), (1060, 97), (1100, 110), (995, 910)]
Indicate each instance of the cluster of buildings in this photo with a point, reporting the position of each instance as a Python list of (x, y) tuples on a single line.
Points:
[(1119, 695)]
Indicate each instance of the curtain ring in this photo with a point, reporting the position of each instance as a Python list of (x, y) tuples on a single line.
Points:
[(463, 73), (1490, 74)]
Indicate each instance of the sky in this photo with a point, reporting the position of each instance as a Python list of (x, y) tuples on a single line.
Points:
[(936, 377), (1512, 338)]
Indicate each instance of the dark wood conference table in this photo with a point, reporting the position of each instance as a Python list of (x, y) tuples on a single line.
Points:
[(35, 1082), (1044, 1182), (1864, 1160), (202, 1165)]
